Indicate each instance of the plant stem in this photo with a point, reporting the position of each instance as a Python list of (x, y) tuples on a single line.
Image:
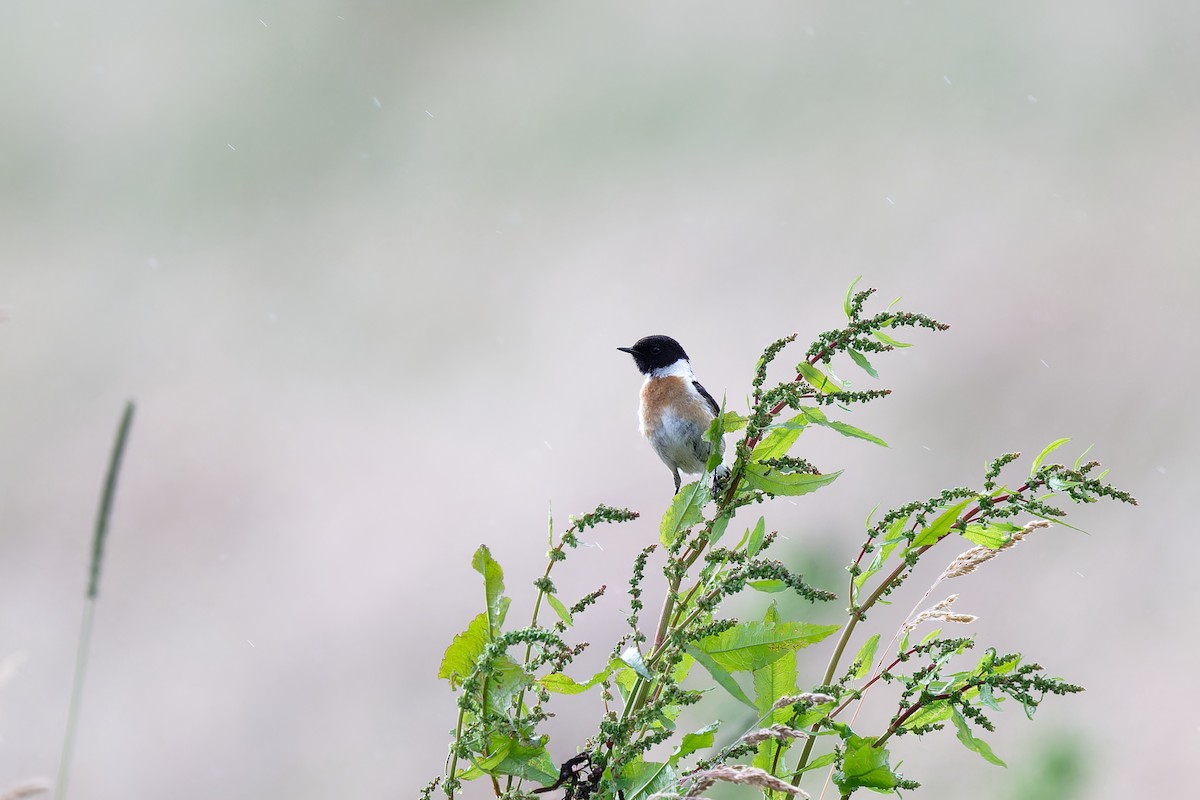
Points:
[(85, 631)]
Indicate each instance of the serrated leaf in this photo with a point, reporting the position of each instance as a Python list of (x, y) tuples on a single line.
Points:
[(865, 766), (940, 526), (1047, 450), (633, 657), (686, 510), (846, 303), (786, 484), (719, 674), (691, 742), (640, 779), (753, 645), (861, 360), (971, 742), (756, 538), (818, 379), (772, 682), (563, 612), (768, 585), (866, 657), (459, 660), (493, 587)]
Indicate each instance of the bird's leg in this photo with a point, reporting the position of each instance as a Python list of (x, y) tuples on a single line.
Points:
[(675, 472), (719, 476)]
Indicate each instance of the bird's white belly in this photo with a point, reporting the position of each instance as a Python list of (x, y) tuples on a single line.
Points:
[(677, 441)]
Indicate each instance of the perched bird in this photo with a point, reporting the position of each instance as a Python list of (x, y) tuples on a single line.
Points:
[(675, 409)]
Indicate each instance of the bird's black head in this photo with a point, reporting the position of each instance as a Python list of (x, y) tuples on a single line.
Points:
[(655, 352)]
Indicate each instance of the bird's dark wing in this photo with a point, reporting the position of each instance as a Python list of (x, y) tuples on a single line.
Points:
[(716, 408)]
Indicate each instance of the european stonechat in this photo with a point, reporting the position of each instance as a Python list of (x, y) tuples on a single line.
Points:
[(675, 409)]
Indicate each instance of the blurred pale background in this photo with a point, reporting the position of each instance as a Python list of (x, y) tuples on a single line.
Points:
[(364, 265)]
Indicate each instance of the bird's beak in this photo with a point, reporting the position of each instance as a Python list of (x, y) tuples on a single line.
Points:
[(626, 350)]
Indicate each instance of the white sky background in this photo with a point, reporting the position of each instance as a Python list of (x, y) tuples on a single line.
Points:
[(364, 266)]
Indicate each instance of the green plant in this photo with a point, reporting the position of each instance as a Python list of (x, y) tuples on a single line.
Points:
[(506, 677)]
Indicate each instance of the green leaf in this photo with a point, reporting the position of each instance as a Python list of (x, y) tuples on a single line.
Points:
[(818, 762), (883, 337), (786, 484), (493, 586), (933, 634), (938, 711), (720, 524), (756, 538), (727, 422), (719, 674), (866, 657), (992, 535), (1083, 455), (768, 585), (506, 679), (861, 360), (818, 379), (753, 645), (561, 683), (855, 433), (771, 683), (1047, 450), (459, 661), (891, 539), (691, 742), (774, 680), (940, 526), (850, 296), (865, 766), (972, 743), (563, 612), (498, 749), (640, 779), (812, 715), (715, 434), (633, 657), (988, 698), (779, 440), (529, 760), (625, 678), (686, 510)]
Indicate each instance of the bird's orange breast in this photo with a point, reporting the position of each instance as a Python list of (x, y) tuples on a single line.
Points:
[(675, 396)]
